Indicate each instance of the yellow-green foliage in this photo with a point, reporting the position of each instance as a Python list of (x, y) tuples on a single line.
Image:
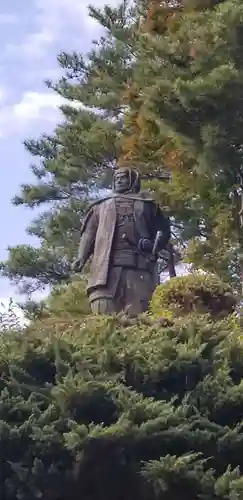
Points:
[(201, 293), (70, 299)]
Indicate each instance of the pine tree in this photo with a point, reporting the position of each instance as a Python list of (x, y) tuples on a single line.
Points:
[(75, 161), (160, 92), (142, 143), (189, 82)]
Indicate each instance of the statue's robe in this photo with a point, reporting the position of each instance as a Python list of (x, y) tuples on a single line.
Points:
[(98, 230)]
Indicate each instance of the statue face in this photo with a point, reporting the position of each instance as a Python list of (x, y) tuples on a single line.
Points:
[(121, 181)]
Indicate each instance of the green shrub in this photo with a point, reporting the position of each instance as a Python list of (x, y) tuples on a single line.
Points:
[(99, 408), (69, 299), (194, 293)]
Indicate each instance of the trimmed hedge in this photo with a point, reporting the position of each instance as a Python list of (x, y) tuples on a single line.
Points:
[(194, 293), (111, 408)]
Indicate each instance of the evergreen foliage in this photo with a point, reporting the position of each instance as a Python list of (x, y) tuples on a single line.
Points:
[(201, 293), (185, 113), (114, 408), (68, 300), (161, 91), (73, 163)]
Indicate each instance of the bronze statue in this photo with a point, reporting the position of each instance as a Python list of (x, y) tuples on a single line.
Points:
[(123, 233)]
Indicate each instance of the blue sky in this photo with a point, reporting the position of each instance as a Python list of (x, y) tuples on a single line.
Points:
[(32, 33)]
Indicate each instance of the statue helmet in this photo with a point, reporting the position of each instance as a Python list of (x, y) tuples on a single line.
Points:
[(134, 179)]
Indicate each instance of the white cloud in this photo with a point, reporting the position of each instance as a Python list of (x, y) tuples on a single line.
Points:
[(54, 18), (36, 43), (42, 74), (32, 107), (37, 106), (3, 95), (7, 19)]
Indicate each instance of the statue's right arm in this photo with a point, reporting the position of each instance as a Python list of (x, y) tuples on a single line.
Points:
[(87, 238)]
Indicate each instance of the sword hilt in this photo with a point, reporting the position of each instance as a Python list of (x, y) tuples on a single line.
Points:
[(158, 237)]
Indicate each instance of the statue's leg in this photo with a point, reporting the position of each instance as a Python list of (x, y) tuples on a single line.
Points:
[(103, 305), (139, 288), (103, 300)]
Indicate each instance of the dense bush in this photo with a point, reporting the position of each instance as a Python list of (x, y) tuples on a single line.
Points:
[(200, 293), (69, 299), (102, 408)]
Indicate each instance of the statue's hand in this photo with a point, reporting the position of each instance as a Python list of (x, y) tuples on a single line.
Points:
[(77, 266), (145, 245)]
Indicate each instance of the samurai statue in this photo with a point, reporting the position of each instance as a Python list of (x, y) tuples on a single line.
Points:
[(122, 234)]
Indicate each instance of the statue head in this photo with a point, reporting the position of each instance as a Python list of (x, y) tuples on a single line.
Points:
[(126, 180)]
